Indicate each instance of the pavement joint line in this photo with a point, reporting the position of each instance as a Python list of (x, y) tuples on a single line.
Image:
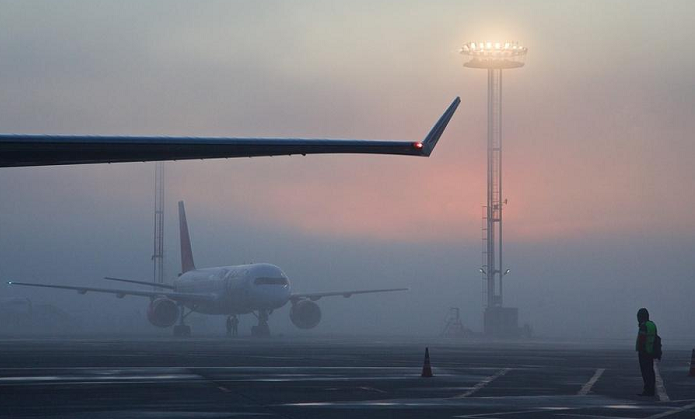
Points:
[(483, 383), (515, 412), (672, 412), (660, 389), (224, 389), (586, 388), (594, 416)]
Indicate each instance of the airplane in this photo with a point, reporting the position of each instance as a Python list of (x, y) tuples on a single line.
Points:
[(19, 150), (242, 289), (258, 288)]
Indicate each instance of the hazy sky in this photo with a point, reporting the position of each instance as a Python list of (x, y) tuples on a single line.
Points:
[(598, 163)]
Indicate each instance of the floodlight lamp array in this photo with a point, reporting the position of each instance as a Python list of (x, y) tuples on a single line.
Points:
[(494, 54), (500, 49)]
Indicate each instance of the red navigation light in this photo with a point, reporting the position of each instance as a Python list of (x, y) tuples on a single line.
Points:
[(417, 145)]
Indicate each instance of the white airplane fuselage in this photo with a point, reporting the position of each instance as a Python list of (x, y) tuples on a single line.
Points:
[(237, 289)]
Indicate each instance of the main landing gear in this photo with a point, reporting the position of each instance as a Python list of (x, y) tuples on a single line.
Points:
[(181, 329), (262, 329)]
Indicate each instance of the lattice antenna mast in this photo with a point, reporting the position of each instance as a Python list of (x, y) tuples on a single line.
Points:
[(158, 255), (493, 57)]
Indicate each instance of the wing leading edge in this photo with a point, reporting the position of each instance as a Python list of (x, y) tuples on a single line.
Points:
[(192, 297), (313, 296), (18, 150), (183, 297)]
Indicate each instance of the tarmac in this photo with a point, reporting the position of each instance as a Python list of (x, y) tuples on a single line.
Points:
[(332, 378)]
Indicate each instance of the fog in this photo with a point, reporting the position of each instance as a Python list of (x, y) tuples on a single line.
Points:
[(598, 162)]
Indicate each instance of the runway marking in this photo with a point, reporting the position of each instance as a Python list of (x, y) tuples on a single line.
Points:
[(484, 415), (660, 389), (272, 411), (372, 389), (483, 383), (249, 367), (672, 412), (586, 388), (574, 415)]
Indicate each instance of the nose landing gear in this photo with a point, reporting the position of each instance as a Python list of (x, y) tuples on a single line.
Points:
[(262, 329), (181, 329)]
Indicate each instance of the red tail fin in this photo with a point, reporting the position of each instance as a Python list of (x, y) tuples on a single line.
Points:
[(186, 252)]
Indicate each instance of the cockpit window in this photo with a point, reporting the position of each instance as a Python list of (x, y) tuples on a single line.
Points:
[(270, 281)]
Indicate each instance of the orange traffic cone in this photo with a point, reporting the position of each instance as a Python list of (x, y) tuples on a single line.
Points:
[(427, 368), (692, 364)]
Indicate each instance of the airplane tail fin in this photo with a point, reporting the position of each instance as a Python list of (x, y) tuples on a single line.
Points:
[(186, 251)]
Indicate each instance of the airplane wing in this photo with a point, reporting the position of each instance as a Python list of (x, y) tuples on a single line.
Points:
[(46, 150), (132, 281), (184, 297), (313, 296)]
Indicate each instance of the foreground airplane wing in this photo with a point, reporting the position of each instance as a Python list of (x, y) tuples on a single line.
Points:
[(313, 296), (45, 150), (176, 296)]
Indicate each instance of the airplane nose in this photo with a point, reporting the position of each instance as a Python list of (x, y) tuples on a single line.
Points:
[(271, 296)]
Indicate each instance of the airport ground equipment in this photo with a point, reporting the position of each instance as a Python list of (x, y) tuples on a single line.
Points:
[(494, 57), (46, 150), (453, 327)]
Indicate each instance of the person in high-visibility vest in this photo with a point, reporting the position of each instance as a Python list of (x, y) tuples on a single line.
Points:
[(645, 351)]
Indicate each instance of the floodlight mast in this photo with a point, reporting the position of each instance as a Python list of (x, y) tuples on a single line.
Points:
[(158, 255), (494, 57)]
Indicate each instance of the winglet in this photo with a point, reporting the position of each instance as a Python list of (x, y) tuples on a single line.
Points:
[(433, 136)]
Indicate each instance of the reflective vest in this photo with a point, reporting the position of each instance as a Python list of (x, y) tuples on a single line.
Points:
[(647, 332)]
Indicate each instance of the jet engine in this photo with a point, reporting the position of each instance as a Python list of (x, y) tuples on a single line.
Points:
[(305, 314), (163, 312)]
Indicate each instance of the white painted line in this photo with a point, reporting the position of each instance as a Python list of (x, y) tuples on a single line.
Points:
[(575, 415), (586, 388), (483, 383), (516, 412), (672, 412), (660, 389), (372, 389)]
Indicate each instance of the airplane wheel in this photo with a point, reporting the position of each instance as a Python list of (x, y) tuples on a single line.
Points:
[(260, 330), (182, 330)]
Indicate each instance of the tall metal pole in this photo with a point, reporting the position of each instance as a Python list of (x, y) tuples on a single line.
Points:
[(500, 270), (158, 255), (494, 57), (494, 189), (490, 206)]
